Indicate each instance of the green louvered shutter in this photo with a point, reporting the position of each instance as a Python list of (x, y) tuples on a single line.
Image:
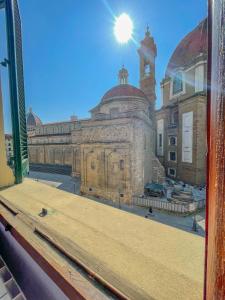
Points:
[(16, 85)]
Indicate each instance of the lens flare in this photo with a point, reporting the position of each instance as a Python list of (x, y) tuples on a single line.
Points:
[(123, 28)]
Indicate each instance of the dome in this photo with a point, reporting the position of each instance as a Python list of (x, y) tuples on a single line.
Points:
[(191, 46), (123, 90), (32, 119)]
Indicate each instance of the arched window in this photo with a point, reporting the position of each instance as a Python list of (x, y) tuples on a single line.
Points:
[(172, 141), (178, 83), (147, 69)]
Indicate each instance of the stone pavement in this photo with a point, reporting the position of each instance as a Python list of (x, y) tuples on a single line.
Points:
[(72, 185)]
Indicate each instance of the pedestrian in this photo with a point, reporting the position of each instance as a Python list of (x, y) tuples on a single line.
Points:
[(150, 210), (194, 226)]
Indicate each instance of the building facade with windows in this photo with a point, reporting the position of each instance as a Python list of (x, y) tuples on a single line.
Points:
[(9, 146), (181, 121)]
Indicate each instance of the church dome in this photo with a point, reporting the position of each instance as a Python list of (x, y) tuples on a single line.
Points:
[(123, 90), (32, 119), (190, 47)]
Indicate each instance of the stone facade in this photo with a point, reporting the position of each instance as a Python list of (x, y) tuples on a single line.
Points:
[(181, 122), (113, 151), (9, 146)]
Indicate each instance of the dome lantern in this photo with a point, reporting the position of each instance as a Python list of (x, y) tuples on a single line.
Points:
[(123, 76)]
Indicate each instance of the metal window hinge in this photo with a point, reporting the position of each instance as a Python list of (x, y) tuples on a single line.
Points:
[(5, 62)]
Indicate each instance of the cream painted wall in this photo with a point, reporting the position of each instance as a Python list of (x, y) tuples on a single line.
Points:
[(6, 174)]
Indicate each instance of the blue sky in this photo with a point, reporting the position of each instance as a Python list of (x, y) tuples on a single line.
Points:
[(71, 57)]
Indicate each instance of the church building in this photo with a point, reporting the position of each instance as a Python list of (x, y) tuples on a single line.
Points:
[(113, 152)]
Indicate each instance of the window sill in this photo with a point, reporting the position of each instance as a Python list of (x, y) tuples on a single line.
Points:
[(141, 258)]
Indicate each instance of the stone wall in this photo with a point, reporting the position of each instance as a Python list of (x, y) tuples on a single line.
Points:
[(195, 172), (105, 171), (158, 171), (51, 154)]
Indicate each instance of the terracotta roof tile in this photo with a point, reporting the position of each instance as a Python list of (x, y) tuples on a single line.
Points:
[(189, 48), (123, 90)]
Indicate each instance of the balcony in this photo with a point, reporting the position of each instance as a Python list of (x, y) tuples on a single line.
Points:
[(172, 125)]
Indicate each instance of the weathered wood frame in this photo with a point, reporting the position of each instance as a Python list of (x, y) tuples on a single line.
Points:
[(215, 212)]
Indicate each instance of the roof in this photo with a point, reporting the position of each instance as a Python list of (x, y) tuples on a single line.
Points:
[(190, 47), (123, 90), (142, 258), (33, 119)]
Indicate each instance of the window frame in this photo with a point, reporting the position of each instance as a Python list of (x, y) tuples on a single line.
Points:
[(175, 172), (181, 79), (214, 280), (199, 81), (214, 283), (172, 136), (170, 151)]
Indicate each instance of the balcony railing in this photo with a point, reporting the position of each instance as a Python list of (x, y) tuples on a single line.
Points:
[(172, 125)]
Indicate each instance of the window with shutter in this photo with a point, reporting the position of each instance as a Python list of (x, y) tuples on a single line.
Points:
[(199, 78), (187, 137), (16, 85)]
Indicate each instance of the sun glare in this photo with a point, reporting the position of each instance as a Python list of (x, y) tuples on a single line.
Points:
[(123, 28)]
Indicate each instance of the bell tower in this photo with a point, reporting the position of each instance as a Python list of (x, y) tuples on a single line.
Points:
[(147, 53)]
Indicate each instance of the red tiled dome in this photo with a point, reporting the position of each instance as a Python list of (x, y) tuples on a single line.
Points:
[(32, 119), (123, 90), (189, 48)]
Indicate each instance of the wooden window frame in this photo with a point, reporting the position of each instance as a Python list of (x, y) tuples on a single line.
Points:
[(214, 287)]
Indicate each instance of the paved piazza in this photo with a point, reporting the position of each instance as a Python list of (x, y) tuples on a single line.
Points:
[(72, 185)]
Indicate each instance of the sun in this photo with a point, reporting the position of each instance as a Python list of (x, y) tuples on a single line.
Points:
[(123, 28)]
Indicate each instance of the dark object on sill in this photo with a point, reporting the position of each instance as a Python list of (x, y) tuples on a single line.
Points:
[(8, 227), (5, 62), (43, 212), (150, 210)]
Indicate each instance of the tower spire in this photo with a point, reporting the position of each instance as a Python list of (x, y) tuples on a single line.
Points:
[(147, 32)]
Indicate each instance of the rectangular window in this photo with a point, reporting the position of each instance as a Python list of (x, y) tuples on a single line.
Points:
[(160, 140), (199, 78), (174, 117), (172, 140), (172, 156), (121, 164), (178, 83), (172, 172), (187, 136), (160, 131)]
